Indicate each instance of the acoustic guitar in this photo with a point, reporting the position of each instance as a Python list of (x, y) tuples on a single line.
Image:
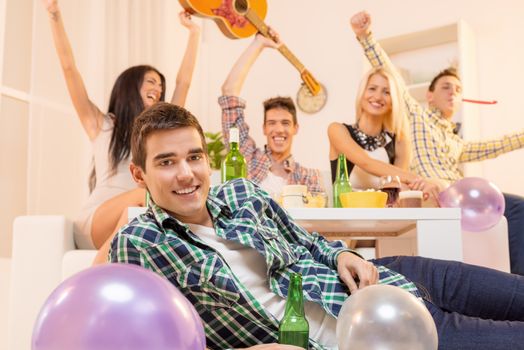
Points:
[(241, 19)]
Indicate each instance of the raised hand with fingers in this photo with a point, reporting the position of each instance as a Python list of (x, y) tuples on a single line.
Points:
[(186, 20), (356, 272), (361, 24), (272, 42)]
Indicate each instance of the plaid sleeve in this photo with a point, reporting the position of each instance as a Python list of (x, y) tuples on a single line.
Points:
[(474, 151), (123, 250), (132, 240), (311, 178), (426, 159), (233, 108), (314, 180), (322, 250)]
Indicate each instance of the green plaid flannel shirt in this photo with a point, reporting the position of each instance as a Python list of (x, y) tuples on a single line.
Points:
[(244, 213), (437, 149)]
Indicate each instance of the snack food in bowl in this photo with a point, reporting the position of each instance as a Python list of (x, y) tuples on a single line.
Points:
[(364, 199), (316, 200)]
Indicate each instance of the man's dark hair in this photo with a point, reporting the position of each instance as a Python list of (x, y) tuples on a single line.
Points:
[(285, 103), (161, 116), (451, 71)]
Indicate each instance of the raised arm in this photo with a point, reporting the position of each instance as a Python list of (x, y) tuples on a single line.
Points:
[(236, 77), (233, 106), (187, 67), (90, 116), (377, 57), (361, 25)]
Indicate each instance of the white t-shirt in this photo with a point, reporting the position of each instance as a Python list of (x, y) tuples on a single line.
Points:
[(251, 269)]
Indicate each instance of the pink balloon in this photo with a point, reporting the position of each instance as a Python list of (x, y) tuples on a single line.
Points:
[(117, 306), (481, 202)]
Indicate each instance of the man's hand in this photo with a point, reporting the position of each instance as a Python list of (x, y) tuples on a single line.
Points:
[(351, 266), (431, 189), (272, 42), (273, 347), (361, 24)]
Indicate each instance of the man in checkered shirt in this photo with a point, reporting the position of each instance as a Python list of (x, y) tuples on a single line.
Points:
[(438, 150), (230, 250), (272, 167)]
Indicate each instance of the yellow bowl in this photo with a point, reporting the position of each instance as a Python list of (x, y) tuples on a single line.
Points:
[(364, 199)]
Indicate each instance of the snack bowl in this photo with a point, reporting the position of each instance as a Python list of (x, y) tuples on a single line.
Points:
[(364, 199), (316, 200)]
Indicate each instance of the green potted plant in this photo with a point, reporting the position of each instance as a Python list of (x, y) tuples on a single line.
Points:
[(215, 148)]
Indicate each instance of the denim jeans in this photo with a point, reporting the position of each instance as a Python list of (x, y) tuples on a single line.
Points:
[(473, 307), (514, 212)]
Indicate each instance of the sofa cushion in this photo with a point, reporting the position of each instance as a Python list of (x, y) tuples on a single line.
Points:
[(76, 260)]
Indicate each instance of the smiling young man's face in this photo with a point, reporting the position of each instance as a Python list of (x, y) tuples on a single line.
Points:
[(279, 130), (177, 174)]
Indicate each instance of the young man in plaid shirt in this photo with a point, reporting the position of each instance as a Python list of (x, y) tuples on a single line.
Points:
[(272, 167), (230, 250)]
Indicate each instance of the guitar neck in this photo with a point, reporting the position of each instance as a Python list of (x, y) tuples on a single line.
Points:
[(264, 30)]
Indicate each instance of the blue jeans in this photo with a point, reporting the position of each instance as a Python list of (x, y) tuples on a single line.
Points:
[(473, 307), (514, 212)]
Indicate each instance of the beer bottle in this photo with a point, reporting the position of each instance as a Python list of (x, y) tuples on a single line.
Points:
[(294, 327), (234, 165), (341, 184)]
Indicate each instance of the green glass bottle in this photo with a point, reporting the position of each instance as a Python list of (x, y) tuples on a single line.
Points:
[(234, 165), (294, 327), (341, 184)]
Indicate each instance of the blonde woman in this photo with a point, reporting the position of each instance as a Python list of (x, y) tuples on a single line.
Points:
[(378, 143)]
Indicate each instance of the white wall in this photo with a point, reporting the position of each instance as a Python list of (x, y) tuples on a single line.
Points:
[(109, 36)]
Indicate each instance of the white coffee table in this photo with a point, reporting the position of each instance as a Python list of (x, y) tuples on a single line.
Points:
[(437, 231)]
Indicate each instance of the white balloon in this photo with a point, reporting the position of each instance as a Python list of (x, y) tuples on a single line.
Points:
[(383, 317)]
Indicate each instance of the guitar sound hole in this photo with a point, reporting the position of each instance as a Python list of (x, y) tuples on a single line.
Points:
[(241, 6)]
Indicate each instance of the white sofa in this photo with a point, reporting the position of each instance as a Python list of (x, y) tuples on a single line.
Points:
[(44, 254)]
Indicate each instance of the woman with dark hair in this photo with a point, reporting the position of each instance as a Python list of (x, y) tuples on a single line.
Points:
[(137, 88)]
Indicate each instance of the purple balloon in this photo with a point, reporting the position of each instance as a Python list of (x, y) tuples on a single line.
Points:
[(481, 202), (117, 307)]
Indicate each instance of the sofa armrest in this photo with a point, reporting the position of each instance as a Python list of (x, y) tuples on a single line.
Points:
[(39, 244)]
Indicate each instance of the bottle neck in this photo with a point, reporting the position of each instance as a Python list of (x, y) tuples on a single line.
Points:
[(342, 169), (233, 146), (295, 298)]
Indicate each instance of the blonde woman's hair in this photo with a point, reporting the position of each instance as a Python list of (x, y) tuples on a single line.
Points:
[(397, 120)]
